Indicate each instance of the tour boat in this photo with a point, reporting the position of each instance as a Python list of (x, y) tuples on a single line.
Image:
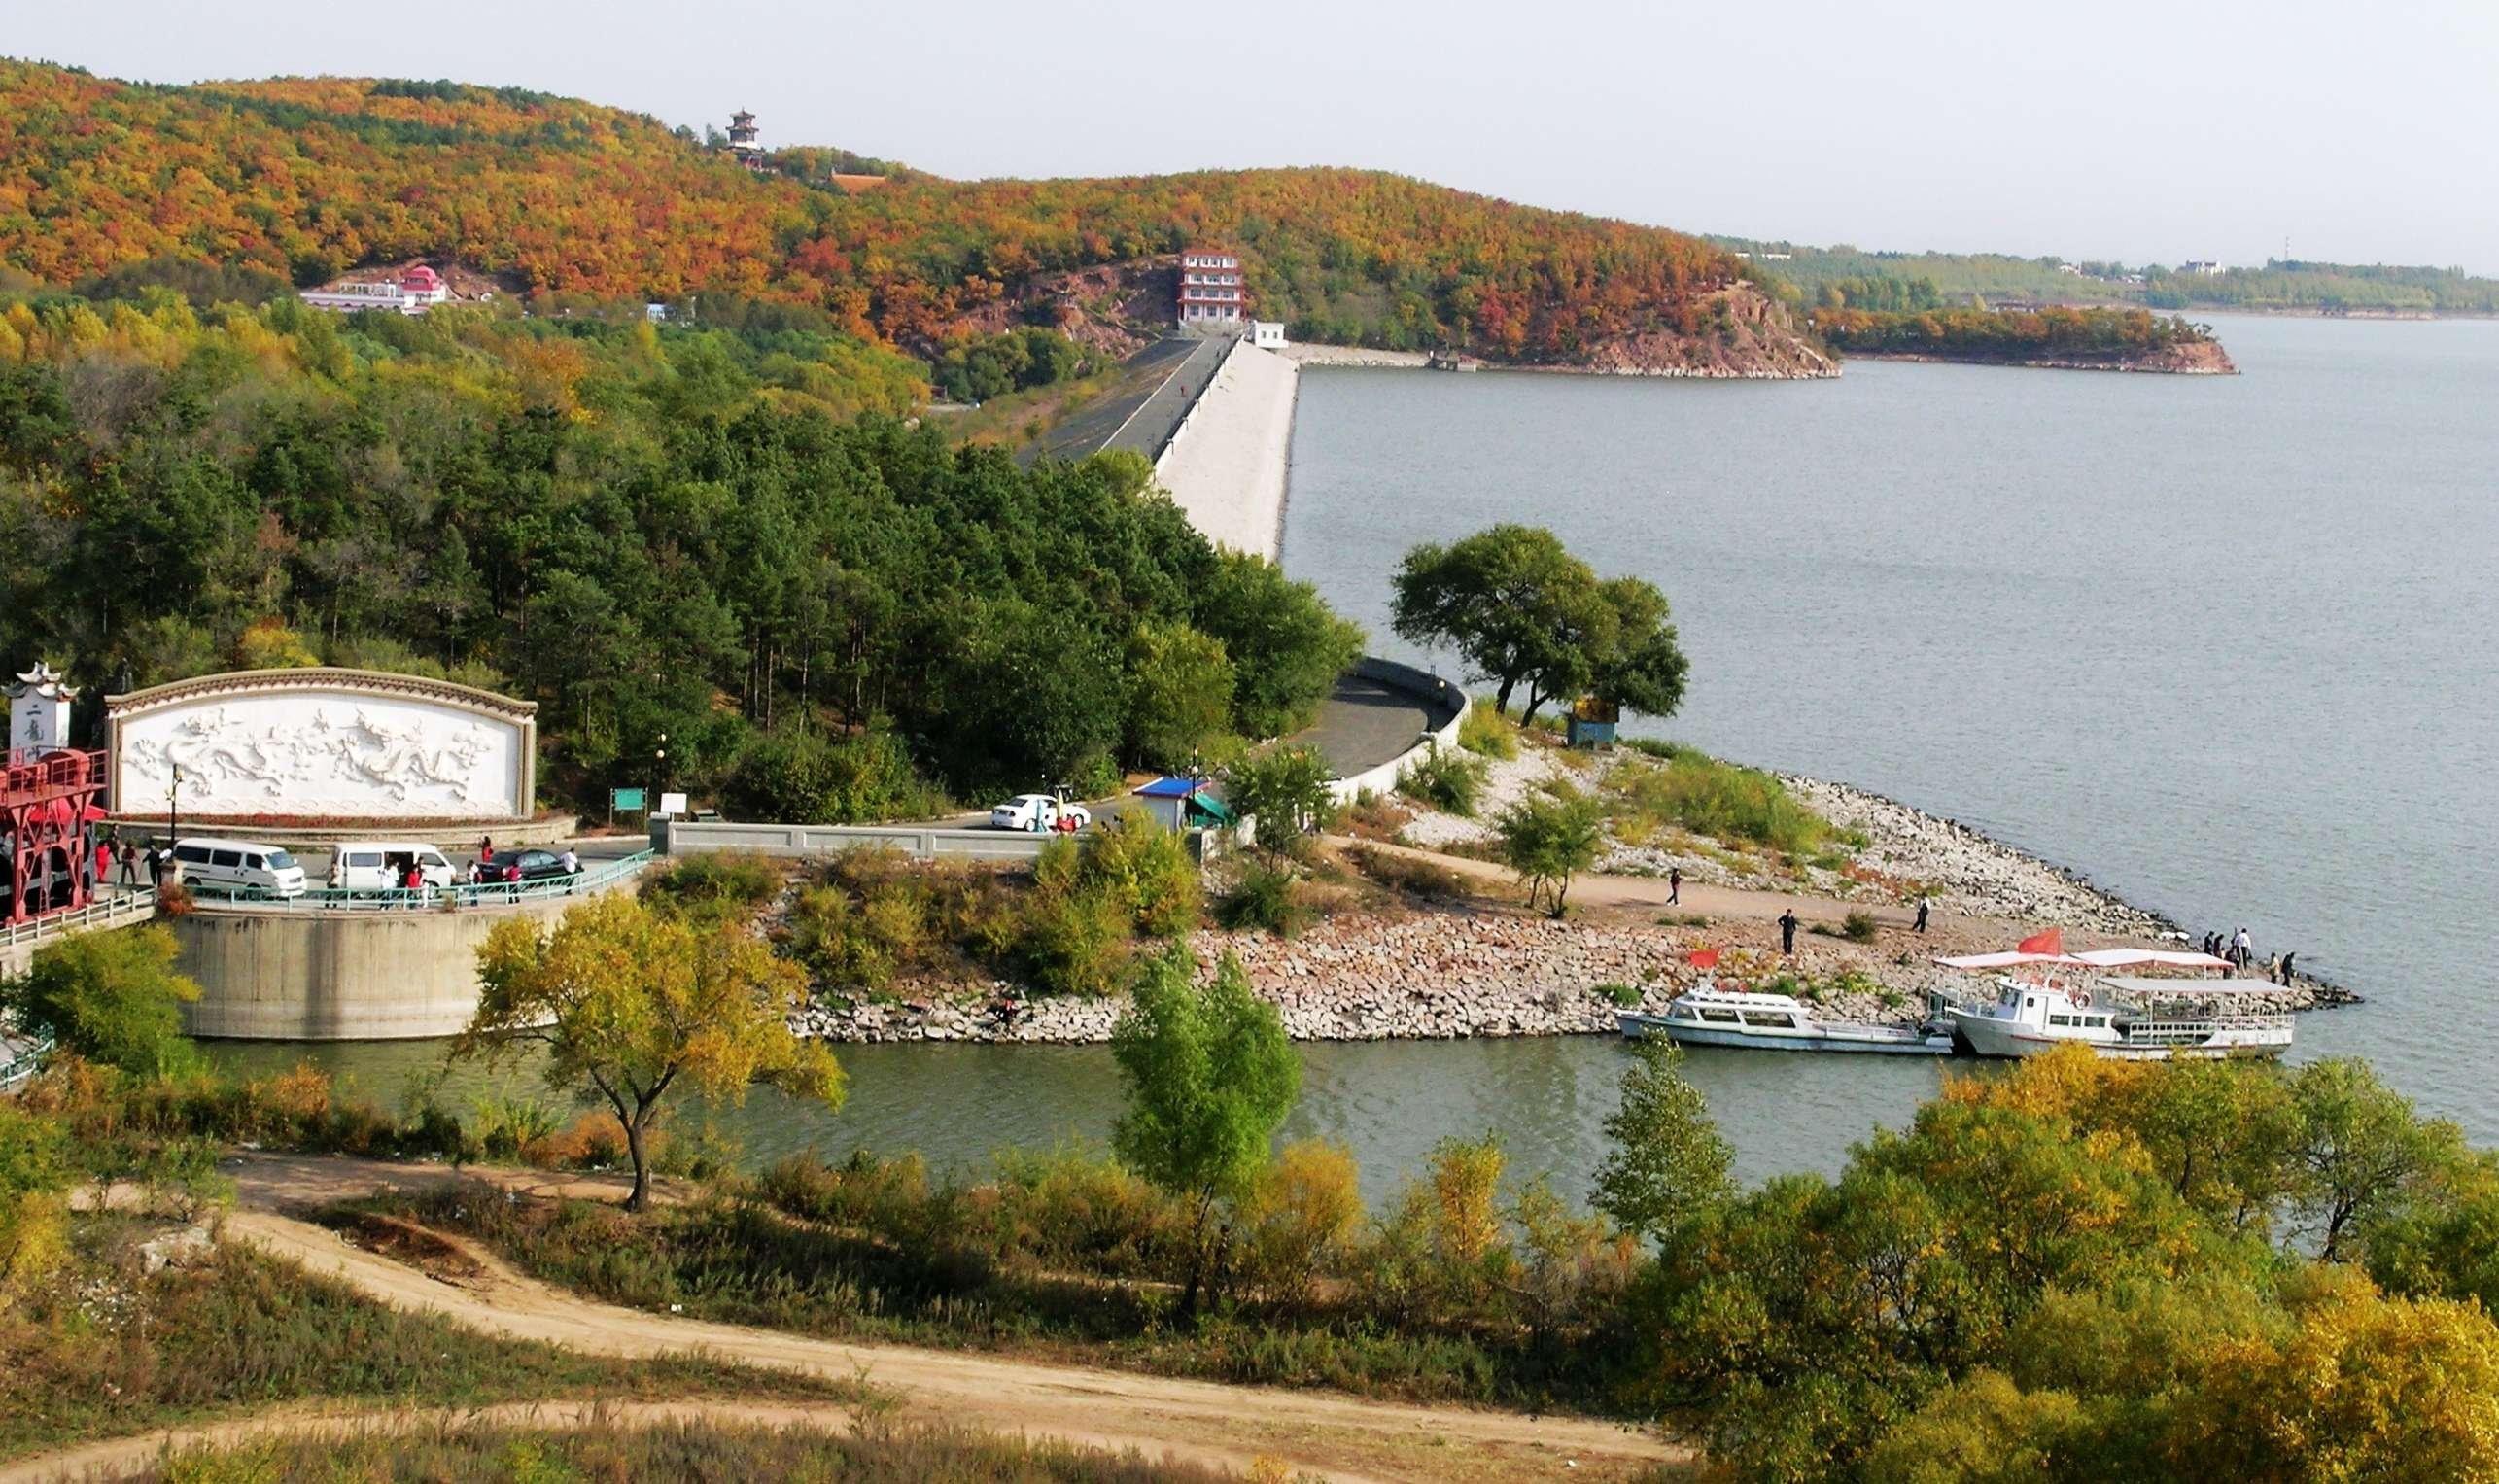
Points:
[(1713, 1016), (2130, 1020)]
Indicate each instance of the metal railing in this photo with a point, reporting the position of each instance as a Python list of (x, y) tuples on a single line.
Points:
[(118, 909), (21, 1057), (590, 878)]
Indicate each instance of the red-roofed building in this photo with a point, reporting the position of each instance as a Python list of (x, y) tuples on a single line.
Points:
[(422, 286), (1210, 287)]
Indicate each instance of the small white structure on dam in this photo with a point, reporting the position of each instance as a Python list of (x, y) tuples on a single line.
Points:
[(324, 744)]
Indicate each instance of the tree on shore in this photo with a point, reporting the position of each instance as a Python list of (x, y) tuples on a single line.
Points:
[(1210, 1077), (631, 1005), (1285, 792), (114, 998), (1668, 1161), (1522, 611), (1548, 838)]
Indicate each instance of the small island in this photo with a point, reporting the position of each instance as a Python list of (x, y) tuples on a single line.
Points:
[(2065, 338)]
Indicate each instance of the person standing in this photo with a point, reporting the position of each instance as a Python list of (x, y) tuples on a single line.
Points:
[(2246, 947), (1674, 886), (1923, 904), (130, 864), (2286, 968), (1787, 931), (103, 863)]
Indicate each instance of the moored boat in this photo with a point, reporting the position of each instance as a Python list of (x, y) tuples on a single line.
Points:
[(1713, 1017), (2128, 1018)]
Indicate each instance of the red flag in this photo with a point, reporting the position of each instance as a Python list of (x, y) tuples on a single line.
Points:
[(2053, 941), (1702, 958)]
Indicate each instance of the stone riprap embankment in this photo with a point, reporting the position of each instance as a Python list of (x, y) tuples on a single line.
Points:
[(1970, 872), (1363, 976)]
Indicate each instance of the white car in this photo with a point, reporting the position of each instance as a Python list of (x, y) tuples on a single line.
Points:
[(1038, 813), (377, 865)]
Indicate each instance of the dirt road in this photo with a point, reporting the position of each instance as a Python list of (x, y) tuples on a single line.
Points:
[(1326, 1433)]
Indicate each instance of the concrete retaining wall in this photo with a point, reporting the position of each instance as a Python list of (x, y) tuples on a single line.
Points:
[(292, 973), (1449, 707), (677, 837)]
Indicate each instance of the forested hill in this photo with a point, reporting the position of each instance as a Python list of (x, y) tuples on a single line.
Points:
[(309, 178)]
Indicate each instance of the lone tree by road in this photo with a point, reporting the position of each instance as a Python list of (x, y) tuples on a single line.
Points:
[(1521, 610), (633, 1004), (1210, 1077), (1548, 838), (1284, 790)]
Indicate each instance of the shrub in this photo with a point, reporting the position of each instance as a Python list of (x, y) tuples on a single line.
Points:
[(111, 997), (1625, 995), (1299, 1218), (1858, 926), (1408, 873), (714, 887), (1450, 781), (1487, 733), (1147, 868), (1074, 940), (1547, 838), (1719, 800), (1265, 898), (1285, 791)]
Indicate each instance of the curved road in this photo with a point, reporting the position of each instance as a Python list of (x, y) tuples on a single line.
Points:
[(1330, 1433)]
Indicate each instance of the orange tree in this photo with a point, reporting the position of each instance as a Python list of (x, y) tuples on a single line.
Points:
[(631, 1005)]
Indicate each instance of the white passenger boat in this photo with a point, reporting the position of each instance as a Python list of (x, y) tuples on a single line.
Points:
[(2126, 1019), (1780, 1023)]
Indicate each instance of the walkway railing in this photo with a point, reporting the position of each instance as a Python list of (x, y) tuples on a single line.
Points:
[(21, 1057), (590, 878), (120, 910)]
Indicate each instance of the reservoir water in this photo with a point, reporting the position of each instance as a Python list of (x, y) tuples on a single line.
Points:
[(2227, 645)]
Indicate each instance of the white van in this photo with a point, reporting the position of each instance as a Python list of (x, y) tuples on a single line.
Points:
[(382, 865), (239, 867)]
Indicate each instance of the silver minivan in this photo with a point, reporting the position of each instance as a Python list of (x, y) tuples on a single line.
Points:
[(240, 867)]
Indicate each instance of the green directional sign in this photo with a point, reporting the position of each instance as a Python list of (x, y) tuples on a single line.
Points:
[(625, 798)]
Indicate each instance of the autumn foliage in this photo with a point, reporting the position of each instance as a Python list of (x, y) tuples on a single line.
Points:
[(310, 177)]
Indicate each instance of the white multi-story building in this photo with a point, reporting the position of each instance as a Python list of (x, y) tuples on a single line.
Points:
[(1210, 287), (414, 292)]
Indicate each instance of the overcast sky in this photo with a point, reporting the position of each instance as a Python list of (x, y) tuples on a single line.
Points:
[(2146, 132)]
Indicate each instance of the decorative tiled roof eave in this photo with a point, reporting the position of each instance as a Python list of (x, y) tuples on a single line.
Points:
[(321, 677)]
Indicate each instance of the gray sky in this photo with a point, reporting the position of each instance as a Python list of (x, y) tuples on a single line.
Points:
[(2147, 132)]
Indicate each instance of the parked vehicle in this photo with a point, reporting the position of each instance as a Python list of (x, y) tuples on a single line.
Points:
[(239, 867), (373, 864), (517, 866), (1039, 812)]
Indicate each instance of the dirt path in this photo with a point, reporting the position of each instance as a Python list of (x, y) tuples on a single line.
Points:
[(1590, 889), (123, 1456), (1332, 1434)]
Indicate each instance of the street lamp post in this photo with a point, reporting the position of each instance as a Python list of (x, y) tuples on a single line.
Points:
[(659, 767)]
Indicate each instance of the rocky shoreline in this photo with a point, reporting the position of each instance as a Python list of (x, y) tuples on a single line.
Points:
[(1484, 969)]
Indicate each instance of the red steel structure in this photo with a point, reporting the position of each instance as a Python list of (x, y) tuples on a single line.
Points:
[(48, 813)]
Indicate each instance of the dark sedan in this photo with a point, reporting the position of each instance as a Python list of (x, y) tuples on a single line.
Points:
[(523, 866)]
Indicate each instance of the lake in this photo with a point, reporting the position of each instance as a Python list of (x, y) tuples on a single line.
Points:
[(2229, 646)]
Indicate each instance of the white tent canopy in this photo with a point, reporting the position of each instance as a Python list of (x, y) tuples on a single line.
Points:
[(2089, 958)]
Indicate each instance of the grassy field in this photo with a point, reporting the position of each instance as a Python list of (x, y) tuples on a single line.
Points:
[(105, 1349), (875, 1453)]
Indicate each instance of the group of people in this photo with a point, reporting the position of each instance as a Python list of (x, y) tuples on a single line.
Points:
[(2240, 951)]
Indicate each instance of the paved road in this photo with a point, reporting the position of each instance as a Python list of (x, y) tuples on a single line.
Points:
[(1365, 724), (1090, 430)]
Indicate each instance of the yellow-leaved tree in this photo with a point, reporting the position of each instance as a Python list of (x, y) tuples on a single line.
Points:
[(631, 1005)]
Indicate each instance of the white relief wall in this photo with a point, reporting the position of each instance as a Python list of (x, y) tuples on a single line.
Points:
[(322, 754)]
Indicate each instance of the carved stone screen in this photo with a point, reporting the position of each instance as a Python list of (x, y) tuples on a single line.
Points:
[(322, 743)]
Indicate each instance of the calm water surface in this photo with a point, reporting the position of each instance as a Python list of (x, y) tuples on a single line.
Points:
[(2230, 647)]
